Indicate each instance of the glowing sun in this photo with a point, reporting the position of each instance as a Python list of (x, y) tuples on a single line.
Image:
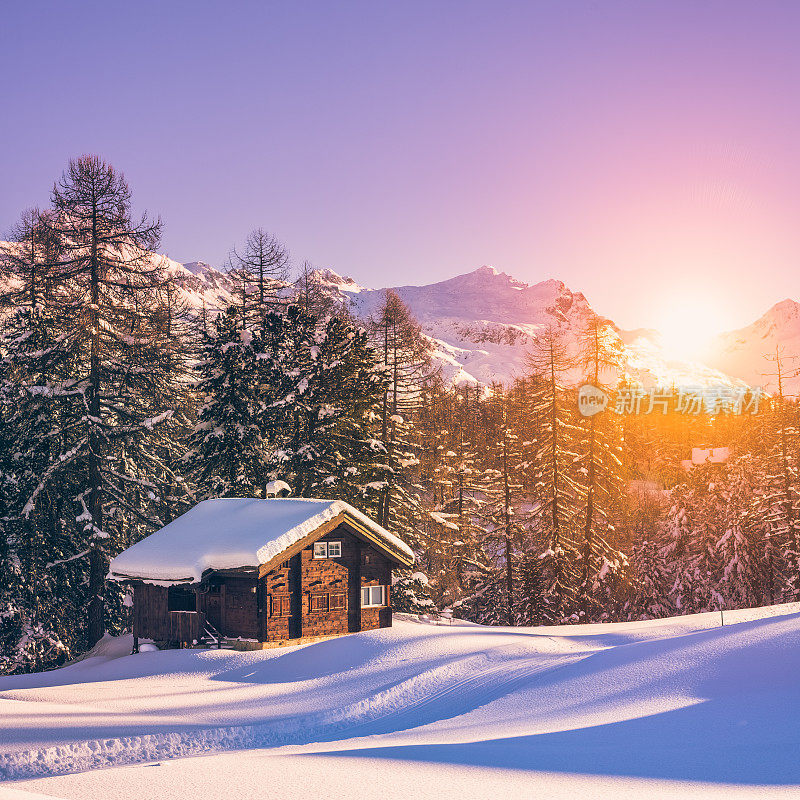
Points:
[(687, 325)]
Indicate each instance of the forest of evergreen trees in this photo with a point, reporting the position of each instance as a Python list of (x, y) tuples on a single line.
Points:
[(120, 408)]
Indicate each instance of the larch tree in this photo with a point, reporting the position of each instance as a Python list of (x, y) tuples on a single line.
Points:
[(28, 261), (501, 489), (404, 354), (262, 268), (106, 285), (557, 494), (600, 472)]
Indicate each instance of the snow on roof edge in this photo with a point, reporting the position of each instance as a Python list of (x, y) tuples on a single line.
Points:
[(181, 551), (275, 548)]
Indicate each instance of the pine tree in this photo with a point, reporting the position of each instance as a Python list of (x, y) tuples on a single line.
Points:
[(321, 391), (650, 594), (410, 593), (741, 546), (37, 616), (677, 551), (228, 452), (601, 475), (557, 495)]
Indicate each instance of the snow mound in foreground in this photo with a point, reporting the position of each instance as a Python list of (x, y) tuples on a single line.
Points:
[(681, 699)]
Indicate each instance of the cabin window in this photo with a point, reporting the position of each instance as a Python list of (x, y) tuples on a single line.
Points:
[(179, 599), (337, 602), (319, 603), (372, 596), (327, 549), (280, 605), (334, 549)]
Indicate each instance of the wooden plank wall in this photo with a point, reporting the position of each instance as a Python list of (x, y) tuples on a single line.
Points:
[(150, 615), (279, 606), (376, 570), (359, 565)]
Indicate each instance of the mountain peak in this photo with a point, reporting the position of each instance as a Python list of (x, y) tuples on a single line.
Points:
[(787, 307), (199, 267), (332, 279)]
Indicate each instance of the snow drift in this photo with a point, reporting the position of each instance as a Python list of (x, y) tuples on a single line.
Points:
[(670, 700)]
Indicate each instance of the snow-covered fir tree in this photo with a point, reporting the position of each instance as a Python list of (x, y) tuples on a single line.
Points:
[(321, 388), (228, 452), (600, 472), (103, 294)]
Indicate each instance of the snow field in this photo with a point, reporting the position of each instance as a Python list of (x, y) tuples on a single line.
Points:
[(658, 708)]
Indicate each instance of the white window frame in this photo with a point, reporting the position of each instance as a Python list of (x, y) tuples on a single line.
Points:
[(320, 549), (368, 591), (324, 549), (337, 546)]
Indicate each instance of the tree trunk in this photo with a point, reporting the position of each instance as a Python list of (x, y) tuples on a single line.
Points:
[(98, 562)]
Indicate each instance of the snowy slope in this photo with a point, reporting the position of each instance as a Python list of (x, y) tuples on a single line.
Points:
[(482, 324), (654, 708), (744, 352)]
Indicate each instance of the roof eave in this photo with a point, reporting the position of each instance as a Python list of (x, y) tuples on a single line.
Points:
[(394, 554)]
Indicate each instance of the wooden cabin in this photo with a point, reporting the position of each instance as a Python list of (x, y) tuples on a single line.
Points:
[(261, 570)]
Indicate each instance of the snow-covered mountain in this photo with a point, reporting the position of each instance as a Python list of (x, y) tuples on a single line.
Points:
[(482, 325), (750, 352), (484, 322), (200, 283)]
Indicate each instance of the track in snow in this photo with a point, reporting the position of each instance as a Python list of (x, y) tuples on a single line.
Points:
[(443, 692)]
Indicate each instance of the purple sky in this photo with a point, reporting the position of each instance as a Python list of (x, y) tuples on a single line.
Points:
[(638, 151)]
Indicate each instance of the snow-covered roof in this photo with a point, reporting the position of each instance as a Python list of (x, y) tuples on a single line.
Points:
[(710, 455), (229, 533)]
